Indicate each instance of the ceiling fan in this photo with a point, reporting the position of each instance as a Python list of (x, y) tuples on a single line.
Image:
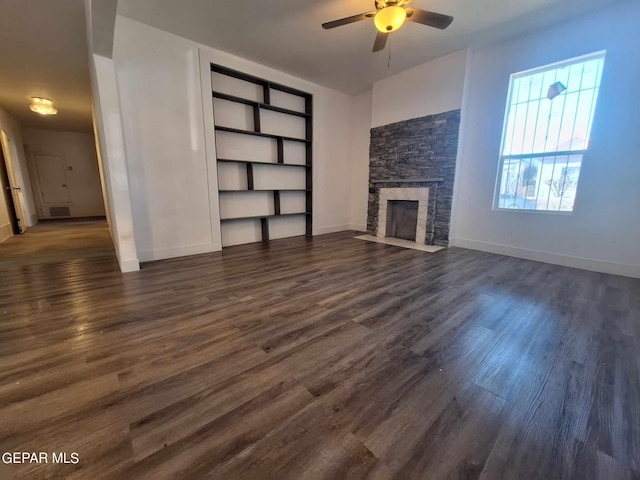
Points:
[(390, 15)]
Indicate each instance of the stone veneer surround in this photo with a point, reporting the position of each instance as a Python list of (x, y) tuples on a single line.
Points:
[(416, 153), (421, 195)]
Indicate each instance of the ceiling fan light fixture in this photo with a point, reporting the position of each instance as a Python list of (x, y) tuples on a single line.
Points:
[(390, 18), (43, 106)]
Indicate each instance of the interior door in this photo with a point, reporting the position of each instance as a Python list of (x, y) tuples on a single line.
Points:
[(5, 185), (11, 161), (52, 179)]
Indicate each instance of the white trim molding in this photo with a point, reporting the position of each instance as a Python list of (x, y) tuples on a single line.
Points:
[(358, 227), (171, 252), (331, 229), (131, 265), (627, 270)]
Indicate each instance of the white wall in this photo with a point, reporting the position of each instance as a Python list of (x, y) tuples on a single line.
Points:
[(113, 160), (13, 131), (430, 88), (171, 166), (107, 130), (159, 83), (78, 152), (359, 139), (603, 231)]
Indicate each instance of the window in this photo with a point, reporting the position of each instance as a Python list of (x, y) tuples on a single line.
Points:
[(546, 133)]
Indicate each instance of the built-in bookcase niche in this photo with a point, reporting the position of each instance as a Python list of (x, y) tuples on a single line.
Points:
[(264, 157)]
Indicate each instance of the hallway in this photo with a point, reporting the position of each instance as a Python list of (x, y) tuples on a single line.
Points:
[(53, 242)]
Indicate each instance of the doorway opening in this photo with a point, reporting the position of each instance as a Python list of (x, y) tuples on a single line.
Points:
[(65, 174)]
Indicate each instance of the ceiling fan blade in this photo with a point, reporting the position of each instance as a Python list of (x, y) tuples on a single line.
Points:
[(431, 19), (347, 20), (381, 41)]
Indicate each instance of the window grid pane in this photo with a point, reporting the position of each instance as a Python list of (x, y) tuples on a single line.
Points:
[(539, 183)]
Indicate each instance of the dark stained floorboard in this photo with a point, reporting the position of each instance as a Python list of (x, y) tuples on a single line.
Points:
[(314, 358)]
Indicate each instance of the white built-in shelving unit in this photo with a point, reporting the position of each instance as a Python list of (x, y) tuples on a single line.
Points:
[(264, 157)]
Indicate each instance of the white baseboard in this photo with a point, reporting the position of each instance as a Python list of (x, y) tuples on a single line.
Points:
[(358, 227), (6, 231), (172, 252), (332, 229), (127, 265), (131, 265), (340, 228), (603, 266)]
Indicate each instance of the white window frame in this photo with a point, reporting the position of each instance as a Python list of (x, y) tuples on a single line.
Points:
[(552, 153)]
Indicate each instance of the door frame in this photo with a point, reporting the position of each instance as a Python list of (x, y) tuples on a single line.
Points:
[(10, 153)]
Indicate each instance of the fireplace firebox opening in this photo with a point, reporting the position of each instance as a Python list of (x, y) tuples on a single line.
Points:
[(402, 219)]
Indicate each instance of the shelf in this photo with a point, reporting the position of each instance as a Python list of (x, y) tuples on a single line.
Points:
[(228, 160), (268, 190), (258, 81), (260, 134), (266, 106), (255, 217)]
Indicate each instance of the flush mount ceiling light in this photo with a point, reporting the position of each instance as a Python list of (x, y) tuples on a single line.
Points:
[(389, 16), (43, 106)]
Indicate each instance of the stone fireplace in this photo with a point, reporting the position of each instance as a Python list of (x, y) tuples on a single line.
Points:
[(414, 160)]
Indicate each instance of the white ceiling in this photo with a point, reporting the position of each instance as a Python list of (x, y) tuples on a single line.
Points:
[(287, 34), (43, 53), (43, 42)]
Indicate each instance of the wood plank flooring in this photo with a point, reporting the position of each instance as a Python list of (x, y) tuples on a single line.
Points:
[(323, 358)]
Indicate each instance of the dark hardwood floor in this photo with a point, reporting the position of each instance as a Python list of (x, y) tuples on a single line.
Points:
[(330, 358)]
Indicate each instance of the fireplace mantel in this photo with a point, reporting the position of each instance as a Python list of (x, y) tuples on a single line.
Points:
[(408, 180)]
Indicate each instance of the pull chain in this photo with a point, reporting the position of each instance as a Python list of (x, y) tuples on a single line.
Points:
[(389, 59)]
